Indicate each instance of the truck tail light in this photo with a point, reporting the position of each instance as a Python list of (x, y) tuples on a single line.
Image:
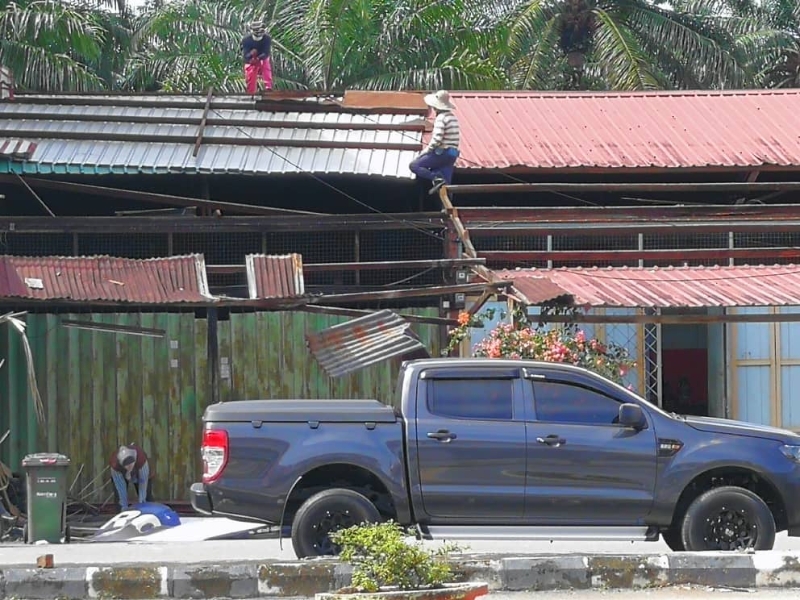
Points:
[(215, 453)]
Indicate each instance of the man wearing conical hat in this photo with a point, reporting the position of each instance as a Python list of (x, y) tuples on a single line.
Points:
[(256, 54), (437, 160)]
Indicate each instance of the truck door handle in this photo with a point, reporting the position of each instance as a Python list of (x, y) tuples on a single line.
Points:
[(552, 440), (442, 435)]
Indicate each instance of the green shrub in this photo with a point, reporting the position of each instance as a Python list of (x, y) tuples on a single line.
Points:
[(382, 557)]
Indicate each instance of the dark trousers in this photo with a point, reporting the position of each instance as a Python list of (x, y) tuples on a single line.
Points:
[(432, 165)]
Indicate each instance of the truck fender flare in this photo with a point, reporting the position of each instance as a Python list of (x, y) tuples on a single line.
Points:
[(283, 512)]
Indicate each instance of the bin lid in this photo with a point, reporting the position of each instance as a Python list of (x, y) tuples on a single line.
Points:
[(45, 459)]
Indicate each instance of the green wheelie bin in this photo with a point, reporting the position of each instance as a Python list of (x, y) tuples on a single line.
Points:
[(46, 475)]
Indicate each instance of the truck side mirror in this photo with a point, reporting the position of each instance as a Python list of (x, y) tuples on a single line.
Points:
[(632, 415)]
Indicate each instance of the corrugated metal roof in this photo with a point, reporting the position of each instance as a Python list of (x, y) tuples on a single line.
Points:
[(775, 285), (351, 346), (611, 130), (16, 149), (6, 84), (114, 134), (275, 276), (176, 279)]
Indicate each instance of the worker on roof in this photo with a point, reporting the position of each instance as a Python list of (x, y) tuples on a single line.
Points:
[(256, 54), (129, 464), (437, 160)]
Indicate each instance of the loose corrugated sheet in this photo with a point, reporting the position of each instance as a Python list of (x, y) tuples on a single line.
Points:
[(609, 130), (177, 279), (51, 121), (351, 346), (275, 276), (667, 287)]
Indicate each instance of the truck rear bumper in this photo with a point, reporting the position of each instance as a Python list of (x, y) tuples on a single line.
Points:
[(201, 502)]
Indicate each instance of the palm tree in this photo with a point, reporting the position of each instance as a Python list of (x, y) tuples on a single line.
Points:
[(397, 44), (52, 46), (621, 45)]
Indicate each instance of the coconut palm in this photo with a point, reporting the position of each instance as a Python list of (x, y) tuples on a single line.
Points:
[(52, 46), (399, 44), (619, 44)]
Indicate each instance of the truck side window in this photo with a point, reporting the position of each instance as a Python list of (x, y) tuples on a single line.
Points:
[(471, 398), (564, 403)]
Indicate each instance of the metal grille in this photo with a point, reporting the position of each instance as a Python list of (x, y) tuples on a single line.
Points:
[(134, 245), (316, 247), (766, 240), (595, 242), (681, 241), (652, 359), (36, 244), (510, 242), (405, 244), (632, 262)]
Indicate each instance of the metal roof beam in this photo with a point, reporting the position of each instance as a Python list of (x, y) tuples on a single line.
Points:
[(144, 138), (97, 190), (602, 187)]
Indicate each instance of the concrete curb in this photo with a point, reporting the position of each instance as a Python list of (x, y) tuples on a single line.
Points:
[(303, 579)]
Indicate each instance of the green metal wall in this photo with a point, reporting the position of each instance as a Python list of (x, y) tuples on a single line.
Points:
[(102, 389)]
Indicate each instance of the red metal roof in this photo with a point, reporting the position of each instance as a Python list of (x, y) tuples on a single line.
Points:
[(661, 287), (176, 279), (276, 276), (672, 130)]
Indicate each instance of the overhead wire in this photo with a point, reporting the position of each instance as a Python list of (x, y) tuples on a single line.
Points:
[(335, 188)]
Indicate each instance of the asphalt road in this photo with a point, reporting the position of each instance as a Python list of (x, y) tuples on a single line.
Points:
[(255, 550)]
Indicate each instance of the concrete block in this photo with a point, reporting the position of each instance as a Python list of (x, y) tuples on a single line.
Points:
[(545, 573), (33, 584), (478, 568), (131, 583), (777, 569), (299, 579), (719, 569), (230, 581), (628, 571)]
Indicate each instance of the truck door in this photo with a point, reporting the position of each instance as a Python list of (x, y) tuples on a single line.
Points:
[(470, 436), (583, 468)]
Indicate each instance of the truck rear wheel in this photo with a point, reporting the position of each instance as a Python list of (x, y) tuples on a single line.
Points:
[(728, 518), (325, 513), (672, 538)]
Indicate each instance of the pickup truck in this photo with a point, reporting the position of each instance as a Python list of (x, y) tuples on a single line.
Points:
[(500, 449)]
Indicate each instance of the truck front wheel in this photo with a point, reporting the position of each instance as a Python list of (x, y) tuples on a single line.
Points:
[(728, 518), (325, 513)]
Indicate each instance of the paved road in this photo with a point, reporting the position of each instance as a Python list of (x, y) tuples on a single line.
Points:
[(255, 550), (676, 593)]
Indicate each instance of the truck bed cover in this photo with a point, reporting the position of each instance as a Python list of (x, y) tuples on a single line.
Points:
[(301, 411)]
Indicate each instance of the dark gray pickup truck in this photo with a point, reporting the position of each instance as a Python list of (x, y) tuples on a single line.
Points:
[(500, 449)]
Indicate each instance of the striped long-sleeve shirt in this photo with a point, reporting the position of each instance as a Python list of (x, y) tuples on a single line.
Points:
[(446, 132)]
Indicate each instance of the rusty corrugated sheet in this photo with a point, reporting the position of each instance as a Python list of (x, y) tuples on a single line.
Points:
[(561, 130), (350, 346), (662, 287), (275, 276), (176, 279), (16, 148)]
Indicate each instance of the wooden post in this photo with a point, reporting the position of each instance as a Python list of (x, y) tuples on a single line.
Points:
[(213, 353)]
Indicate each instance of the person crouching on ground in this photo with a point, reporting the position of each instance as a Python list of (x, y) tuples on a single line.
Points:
[(437, 160), (129, 464), (256, 49)]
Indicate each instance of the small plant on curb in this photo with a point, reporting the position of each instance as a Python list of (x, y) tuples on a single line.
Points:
[(383, 559)]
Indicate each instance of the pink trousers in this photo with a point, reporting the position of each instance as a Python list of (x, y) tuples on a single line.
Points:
[(251, 73)]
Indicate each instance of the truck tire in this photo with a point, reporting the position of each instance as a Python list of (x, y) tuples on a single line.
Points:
[(327, 512), (728, 518), (672, 538)]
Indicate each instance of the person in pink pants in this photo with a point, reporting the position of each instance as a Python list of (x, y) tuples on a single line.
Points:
[(256, 55)]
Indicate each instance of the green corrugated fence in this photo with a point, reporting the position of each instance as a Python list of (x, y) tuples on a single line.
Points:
[(103, 389)]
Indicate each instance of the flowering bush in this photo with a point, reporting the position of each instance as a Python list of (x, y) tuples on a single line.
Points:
[(566, 344)]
